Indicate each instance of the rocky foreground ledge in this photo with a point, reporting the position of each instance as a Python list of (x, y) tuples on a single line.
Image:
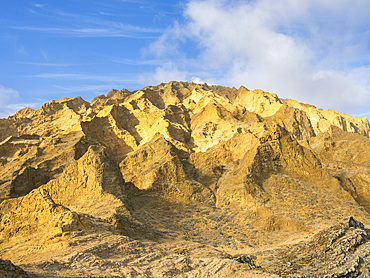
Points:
[(342, 250), (9, 270)]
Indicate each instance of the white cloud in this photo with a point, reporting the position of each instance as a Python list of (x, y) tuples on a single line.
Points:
[(8, 98), (37, 5), (167, 72), (311, 50), (10, 102), (7, 95)]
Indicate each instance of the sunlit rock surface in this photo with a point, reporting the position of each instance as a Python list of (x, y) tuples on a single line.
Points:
[(184, 180)]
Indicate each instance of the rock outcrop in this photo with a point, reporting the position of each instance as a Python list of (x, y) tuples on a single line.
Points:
[(342, 250), (88, 197), (321, 120), (9, 270), (226, 170)]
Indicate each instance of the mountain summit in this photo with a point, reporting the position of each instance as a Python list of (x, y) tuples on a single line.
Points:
[(184, 180)]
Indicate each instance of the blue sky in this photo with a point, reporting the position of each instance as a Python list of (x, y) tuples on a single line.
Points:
[(315, 51)]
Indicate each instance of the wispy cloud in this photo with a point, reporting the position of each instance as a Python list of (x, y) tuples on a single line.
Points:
[(147, 62), (89, 91), (309, 50), (82, 88), (105, 78), (38, 5), (136, 62), (88, 84), (88, 25), (122, 31), (134, 1), (48, 64), (363, 115)]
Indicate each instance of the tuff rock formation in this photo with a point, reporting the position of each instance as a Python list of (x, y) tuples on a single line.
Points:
[(342, 250), (9, 270), (184, 180)]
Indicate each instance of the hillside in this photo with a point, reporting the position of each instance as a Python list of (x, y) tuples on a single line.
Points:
[(184, 180)]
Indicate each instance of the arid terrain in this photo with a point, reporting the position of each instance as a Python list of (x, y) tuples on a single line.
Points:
[(184, 180)]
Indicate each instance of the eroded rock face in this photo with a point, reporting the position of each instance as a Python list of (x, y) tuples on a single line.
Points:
[(9, 270), (35, 214), (28, 161), (88, 196), (342, 250), (228, 168), (322, 120)]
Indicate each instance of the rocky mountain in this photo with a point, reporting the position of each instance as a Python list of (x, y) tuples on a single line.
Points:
[(184, 180)]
